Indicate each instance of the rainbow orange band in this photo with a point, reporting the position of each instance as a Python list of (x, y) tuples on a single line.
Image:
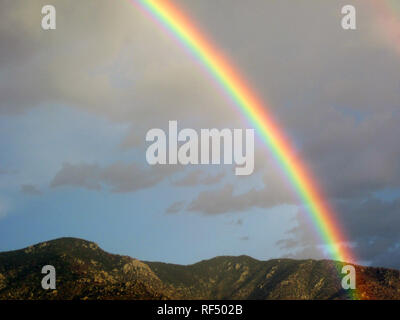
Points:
[(387, 13), (173, 19)]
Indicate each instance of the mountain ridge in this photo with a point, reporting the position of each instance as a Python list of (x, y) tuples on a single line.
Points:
[(85, 271)]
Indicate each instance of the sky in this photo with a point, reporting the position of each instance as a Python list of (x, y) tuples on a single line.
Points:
[(76, 104)]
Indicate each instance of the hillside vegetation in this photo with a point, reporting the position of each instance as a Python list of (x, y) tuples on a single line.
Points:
[(85, 271)]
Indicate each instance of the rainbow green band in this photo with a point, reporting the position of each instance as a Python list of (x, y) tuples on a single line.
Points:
[(322, 216)]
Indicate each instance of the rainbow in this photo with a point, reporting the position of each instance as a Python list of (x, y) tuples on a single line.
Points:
[(233, 84), (387, 13)]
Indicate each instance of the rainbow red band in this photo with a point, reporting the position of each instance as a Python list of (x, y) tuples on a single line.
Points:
[(305, 185), (387, 14)]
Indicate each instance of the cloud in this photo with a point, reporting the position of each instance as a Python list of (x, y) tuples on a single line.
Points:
[(336, 96), (355, 158), (119, 177), (175, 207), (370, 226), (199, 177), (275, 191), (82, 175), (125, 68), (224, 200), (245, 238), (30, 189), (107, 69), (238, 222)]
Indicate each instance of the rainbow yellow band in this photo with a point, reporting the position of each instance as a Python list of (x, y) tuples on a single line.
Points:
[(233, 84)]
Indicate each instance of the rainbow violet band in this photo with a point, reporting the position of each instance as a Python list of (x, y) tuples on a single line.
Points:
[(181, 26)]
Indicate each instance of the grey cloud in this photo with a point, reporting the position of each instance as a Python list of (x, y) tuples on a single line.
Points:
[(175, 207), (219, 201), (225, 200), (125, 68), (82, 175), (198, 177), (371, 226), (238, 222), (307, 252), (275, 191), (336, 94), (107, 58), (119, 177), (356, 159), (30, 189)]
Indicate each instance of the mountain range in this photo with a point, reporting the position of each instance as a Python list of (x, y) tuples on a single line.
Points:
[(85, 271)]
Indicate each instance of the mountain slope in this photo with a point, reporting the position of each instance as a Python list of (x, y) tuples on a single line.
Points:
[(84, 271)]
